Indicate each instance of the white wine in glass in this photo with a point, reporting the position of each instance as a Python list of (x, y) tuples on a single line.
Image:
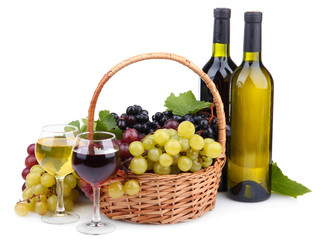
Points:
[(54, 150)]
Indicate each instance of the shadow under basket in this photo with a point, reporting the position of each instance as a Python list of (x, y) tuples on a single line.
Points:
[(165, 199)]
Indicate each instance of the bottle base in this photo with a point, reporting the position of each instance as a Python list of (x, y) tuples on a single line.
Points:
[(248, 191)]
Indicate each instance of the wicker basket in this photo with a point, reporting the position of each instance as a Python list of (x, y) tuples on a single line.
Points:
[(165, 199)]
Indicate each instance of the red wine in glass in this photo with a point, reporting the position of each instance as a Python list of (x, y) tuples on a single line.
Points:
[(96, 158), (96, 168)]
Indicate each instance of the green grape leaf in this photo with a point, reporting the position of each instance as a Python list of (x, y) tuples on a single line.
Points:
[(75, 123), (282, 184), (185, 103), (107, 119)]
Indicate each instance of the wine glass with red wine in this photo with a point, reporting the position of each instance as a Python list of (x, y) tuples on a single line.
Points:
[(96, 158)]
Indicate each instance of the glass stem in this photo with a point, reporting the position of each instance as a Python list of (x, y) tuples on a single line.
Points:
[(96, 219), (60, 209)]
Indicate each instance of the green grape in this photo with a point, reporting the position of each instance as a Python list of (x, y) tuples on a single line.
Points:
[(39, 188), (136, 148), (150, 165), (175, 137), (159, 169), (212, 149), (148, 142), (41, 208), (21, 209), (184, 163), (175, 159), (206, 161), (70, 180), (172, 132), (196, 142), (186, 129), (173, 147), (37, 169), (207, 140), (33, 178), (165, 160), (68, 204), (75, 195), (31, 204), (52, 203), (47, 180), (27, 193), (132, 187), (66, 190), (185, 144), (174, 169), (192, 154), (161, 137), (196, 165), (116, 190), (138, 165), (154, 154)]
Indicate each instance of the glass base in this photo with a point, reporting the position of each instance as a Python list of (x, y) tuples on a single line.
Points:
[(61, 218), (96, 228)]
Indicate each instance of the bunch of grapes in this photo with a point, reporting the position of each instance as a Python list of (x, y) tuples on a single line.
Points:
[(39, 190), (137, 118), (205, 123), (168, 151)]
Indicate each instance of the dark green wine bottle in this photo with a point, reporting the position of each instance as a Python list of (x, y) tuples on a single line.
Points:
[(251, 119), (219, 68)]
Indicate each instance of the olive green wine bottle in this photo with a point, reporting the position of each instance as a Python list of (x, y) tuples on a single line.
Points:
[(219, 68), (251, 119)]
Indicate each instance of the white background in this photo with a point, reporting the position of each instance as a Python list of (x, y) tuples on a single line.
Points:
[(53, 54)]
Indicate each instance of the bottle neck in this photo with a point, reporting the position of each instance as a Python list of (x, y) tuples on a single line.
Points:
[(221, 50), (221, 37), (252, 56), (252, 37)]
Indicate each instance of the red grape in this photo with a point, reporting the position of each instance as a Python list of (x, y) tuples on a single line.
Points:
[(130, 135), (25, 172), (31, 149), (124, 150), (23, 187), (171, 123), (30, 161), (87, 189)]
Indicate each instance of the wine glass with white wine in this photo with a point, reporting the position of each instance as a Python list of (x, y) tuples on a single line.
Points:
[(54, 150)]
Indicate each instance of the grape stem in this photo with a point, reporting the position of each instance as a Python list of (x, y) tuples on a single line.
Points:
[(50, 190)]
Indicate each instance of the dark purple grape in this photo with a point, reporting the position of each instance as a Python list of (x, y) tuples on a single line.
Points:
[(131, 110), (197, 119), (115, 115), (163, 120), (189, 117), (171, 123), (145, 118), (168, 114), (152, 125), (137, 126), (130, 120), (138, 109), (208, 133), (123, 115), (203, 124), (158, 116), (144, 112), (121, 123), (178, 118)]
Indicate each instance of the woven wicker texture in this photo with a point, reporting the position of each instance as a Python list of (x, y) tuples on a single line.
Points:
[(169, 198)]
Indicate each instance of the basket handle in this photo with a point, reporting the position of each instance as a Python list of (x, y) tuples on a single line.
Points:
[(170, 56)]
